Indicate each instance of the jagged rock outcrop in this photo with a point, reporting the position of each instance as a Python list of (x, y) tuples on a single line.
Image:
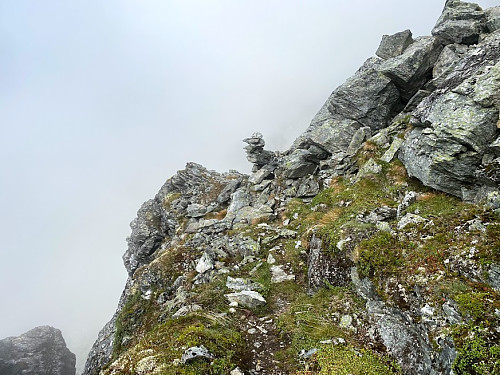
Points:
[(227, 262), (456, 126), (40, 351), (460, 22)]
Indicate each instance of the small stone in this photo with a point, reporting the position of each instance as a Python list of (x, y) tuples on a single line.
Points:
[(247, 298), (408, 199), (341, 243), (236, 371), (410, 219), (394, 45), (232, 310), (278, 275), (270, 259), (307, 354), (196, 210), (383, 226), (427, 310), (239, 284), (205, 263), (183, 311), (196, 352), (346, 321), (252, 331)]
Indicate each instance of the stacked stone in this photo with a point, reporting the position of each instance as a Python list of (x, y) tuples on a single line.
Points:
[(256, 153)]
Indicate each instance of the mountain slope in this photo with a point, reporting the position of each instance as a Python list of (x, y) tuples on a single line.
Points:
[(372, 246)]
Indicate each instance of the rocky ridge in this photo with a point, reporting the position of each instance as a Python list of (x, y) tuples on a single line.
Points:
[(40, 351), (371, 246)]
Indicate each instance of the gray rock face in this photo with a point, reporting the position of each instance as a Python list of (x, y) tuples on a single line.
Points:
[(493, 19), (494, 276), (410, 70), (326, 269), (394, 45), (238, 284), (40, 351), (367, 97), (460, 22), (101, 351), (404, 340), (186, 193), (454, 130), (447, 61), (299, 164)]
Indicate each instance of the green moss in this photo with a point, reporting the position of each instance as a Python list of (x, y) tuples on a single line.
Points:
[(167, 342), (381, 255), (477, 356), (132, 318), (479, 306), (310, 319), (346, 360), (211, 295)]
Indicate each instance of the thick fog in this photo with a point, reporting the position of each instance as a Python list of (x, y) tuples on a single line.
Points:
[(102, 101)]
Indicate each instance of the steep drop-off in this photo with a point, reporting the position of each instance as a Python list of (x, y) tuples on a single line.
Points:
[(371, 246)]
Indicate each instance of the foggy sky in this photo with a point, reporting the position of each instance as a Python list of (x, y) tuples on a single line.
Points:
[(102, 101)]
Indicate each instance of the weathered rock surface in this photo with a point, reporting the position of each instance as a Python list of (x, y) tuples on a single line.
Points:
[(40, 351), (460, 22), (394, 45), (157, 221), (412, 69), (453, 131)]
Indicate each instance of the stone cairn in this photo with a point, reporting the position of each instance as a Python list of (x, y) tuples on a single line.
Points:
[(256, 153)]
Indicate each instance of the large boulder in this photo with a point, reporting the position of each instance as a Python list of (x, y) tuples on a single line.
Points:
[(40, 351), (412, 69), (367, 97), (460, 22), (454, 130), (394, 45)]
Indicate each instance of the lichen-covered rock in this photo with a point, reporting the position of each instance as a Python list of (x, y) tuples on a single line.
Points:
[(40, 351), (247, 298), (394, 45), (407, 343), (447, 61), (460, 22), (324, 209), (453, 131), (157, 219), (326, 269), (196, 352)]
